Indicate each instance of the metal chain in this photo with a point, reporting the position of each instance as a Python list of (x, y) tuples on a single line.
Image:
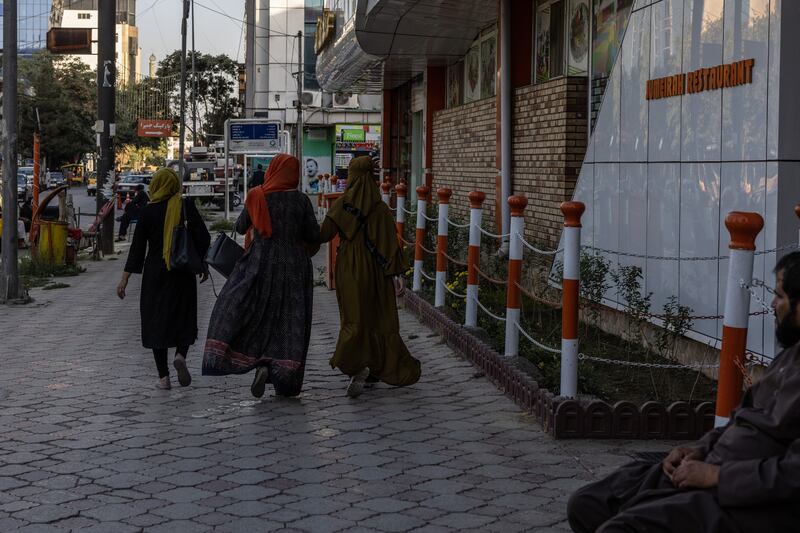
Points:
[(699, 366), (754, 293), (779, 249), (537, 250), (458, 225), (534, 341), (758, 283), (457, 295), (499, 318), (673, 258), (406, 211), (489, 234), (426, 276), (430, 219), (654, 257)]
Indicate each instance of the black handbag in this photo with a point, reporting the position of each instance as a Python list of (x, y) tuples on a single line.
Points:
[(223, 254), (183, 256)]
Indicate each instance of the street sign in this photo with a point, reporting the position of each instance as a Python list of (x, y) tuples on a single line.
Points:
[(154, 128), (254, 137)]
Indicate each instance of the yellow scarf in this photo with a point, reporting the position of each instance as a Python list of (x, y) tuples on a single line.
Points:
[(166, 186)]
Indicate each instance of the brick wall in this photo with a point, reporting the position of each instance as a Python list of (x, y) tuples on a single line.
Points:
[(464, 154), (548, 149), (549, 145)]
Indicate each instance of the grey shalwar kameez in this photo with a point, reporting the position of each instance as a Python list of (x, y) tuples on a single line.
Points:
[(758, 453)]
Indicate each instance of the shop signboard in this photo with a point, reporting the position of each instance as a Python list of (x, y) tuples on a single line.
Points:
[(149, 127)]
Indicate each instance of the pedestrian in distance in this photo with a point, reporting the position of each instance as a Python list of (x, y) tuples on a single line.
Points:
[(368, 260), (739, 478), (168, 300), (262, 318), (257, 179), (132, 210)]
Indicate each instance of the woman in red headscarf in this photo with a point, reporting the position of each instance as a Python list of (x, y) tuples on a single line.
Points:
[(262, 317)]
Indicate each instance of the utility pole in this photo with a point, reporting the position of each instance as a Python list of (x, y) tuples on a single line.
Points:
[(106, 104), (10, 289), (300, 76), (194, 87), (181, 147)]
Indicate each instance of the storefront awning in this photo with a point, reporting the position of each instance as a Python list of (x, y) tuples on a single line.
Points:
[(388, 42)]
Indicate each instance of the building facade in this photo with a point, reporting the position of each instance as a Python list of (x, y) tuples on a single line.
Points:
[(660, 115), (32, 24), (338, 125), (84, 14)]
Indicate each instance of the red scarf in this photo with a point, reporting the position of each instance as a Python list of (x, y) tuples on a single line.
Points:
[(283, 175)]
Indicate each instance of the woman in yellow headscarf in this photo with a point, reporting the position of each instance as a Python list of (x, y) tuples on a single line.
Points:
[(368, 259), (168, 302)]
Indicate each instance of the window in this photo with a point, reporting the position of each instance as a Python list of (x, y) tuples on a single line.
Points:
[(610, 19), (480, 68), (549, 40), (84, 16)]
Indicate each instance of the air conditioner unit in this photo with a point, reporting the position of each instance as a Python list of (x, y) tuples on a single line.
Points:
[(311, 99), (345, 100)]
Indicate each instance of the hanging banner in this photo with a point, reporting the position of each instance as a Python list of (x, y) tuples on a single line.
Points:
[(152, 127)]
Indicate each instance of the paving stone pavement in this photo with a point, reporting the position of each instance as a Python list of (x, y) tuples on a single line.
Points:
[(88, 444)]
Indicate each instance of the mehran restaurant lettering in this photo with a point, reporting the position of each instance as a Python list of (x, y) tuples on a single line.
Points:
[(704, 79)]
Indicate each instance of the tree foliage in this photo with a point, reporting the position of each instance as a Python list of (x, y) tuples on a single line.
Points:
[(63, 90), (214, 90)]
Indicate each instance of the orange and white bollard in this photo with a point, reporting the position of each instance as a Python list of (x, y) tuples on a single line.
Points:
[(744, 228), (476, 199), (444, 195), (386, 189), (513, 295), (570, 295), (419, 253), (400, 190)]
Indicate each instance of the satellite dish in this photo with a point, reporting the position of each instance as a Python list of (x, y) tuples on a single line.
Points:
[(307, 98)]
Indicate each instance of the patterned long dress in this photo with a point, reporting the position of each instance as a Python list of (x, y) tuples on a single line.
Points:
[(262, 316)]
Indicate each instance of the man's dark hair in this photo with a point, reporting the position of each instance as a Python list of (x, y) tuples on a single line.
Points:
[(789, 264)]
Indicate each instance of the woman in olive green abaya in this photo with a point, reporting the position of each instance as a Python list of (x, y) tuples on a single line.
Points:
[(369, 257)]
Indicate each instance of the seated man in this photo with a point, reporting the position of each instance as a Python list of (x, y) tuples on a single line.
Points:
[(132, 211), (740, 478)]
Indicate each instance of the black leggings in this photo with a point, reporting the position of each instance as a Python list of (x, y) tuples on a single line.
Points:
[(160, 355)]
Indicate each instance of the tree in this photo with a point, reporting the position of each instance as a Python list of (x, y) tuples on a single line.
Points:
[(216, 81), (63, 92)]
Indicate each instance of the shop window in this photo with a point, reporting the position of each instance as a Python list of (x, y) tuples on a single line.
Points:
[(610, 18), (478, 71), (562, 40), (455, 84)]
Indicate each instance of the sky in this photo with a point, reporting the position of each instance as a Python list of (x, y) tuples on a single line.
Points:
[(159, 23)]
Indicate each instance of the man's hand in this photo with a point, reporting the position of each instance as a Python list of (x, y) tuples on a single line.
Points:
[(693, 474), (676, 456)]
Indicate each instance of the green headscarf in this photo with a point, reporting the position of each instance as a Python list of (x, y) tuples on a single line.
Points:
[(361, 205), (166, 186)]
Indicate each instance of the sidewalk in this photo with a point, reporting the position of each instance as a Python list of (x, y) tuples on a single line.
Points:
[(88, 444)]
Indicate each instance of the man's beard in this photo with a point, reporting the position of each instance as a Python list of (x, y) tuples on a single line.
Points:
[(786, 332)]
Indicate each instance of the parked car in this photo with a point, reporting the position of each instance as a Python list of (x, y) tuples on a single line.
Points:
[(129, 183), (23, 193), (55, 179), (91, 184)]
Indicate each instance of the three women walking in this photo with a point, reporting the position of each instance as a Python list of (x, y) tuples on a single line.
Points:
[(262, 317)]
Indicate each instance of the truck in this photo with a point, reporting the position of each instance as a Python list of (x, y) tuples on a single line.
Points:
[(205, 177)]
